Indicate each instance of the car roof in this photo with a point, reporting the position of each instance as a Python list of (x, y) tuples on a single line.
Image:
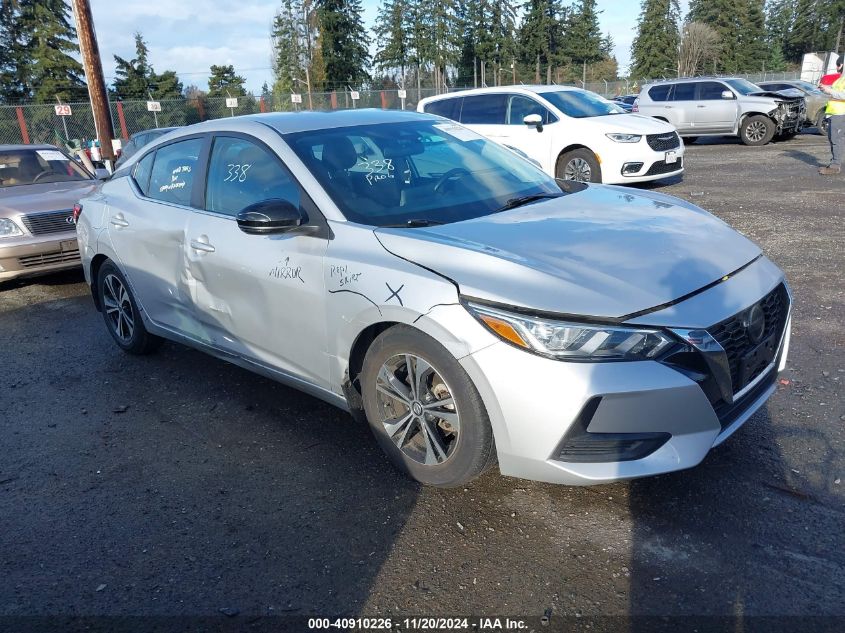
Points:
[(20, 146), (291, 122), (531, 89), (680, 80)]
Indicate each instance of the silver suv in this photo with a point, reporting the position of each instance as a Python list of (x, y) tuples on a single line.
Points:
[(723, 107)]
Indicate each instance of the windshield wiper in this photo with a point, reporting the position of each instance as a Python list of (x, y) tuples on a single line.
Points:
[(413, 223), (513, 203)]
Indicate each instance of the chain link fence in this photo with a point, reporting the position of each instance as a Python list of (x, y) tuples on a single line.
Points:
[(41, 124)]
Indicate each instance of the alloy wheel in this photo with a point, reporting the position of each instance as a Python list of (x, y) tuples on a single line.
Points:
[(756, 131), (118, 307), (579, 170), (418, 410)]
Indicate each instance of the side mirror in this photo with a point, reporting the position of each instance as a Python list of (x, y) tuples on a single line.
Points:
[(270, 216), (727, 94), (534, 120)]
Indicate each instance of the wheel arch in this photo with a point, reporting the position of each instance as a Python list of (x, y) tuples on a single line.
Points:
[(97, 263)]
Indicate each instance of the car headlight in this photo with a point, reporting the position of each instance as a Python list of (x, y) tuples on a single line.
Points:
[(572, 341), (625, 138), (9, 228)]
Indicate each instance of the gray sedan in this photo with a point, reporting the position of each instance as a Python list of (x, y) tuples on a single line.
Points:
[(470, 308), (816, 100)]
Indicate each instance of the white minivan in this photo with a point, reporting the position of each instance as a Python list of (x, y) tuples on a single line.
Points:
[(573, 134)]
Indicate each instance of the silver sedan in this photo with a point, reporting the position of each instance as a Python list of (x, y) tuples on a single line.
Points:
[(470, 308)]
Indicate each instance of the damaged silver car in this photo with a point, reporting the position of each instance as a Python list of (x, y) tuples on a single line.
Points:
[(469, 307), (718, 106)]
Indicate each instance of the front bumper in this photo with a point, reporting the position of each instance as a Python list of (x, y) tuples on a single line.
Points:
[(37, 256), (617, 163), (535, 404)]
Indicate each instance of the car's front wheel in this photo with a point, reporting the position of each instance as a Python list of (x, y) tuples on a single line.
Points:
[(822, 123), (424, 410), (757, 130), (580, 165), (120, 312)]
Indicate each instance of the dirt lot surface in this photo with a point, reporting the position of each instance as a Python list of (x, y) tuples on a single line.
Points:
[(176, 484)]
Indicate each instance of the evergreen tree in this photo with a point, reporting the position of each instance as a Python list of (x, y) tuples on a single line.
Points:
[(583, 39), (133, 77), (541, 35), (779, 17), (289, 47), (225, 82), (392, 31), (166, 85), (49, 39), (343, 42), (720, 15), (655, 46), (14, 57), (753, 52)]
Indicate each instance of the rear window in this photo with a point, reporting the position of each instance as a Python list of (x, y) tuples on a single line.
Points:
[(173, 171), (684, 92), (449, 108), (484, 109), (659, 93)]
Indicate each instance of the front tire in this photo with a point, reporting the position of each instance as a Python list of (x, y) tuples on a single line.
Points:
[(757, 130), (822, 123), (120, 312), (580, 165), (424, 410)]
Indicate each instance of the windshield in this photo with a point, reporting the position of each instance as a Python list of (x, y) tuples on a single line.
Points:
[(38, 166), (416, 172), (580, 104), (743, 86)]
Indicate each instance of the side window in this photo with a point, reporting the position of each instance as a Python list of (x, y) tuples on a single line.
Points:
[(486, 109), (449, 108), (684, 92), (173, 171), (520, 106), (141, 175), (659, 93), (710, 90), (242, 173)]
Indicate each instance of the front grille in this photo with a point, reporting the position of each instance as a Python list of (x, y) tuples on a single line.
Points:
[(44, 259), (729, 413), (732, 335), (663, 142), (662, 167), (49, 222)]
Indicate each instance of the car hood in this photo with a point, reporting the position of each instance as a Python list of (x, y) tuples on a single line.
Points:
[(51, 196), (629, 123), (767, 96), (604, 252)]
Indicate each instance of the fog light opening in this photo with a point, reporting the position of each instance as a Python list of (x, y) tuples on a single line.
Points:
[(629, 169)]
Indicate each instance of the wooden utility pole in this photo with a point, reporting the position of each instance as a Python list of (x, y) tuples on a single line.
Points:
[(94, 75)]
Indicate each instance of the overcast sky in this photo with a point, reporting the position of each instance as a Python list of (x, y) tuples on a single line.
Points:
[(188, 37)]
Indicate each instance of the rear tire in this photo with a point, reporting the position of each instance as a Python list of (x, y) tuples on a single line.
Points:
[(580, 165), (424, 410), (121, 314), (757, 130)]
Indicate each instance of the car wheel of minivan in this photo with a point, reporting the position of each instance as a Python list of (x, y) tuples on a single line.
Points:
[(757, 130), (120, 312), (424, 410), (580, 165)]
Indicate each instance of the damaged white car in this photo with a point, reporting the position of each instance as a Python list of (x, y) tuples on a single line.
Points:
[(469, 306)]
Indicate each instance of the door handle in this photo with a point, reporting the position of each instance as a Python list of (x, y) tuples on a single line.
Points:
[(203, 246), (119, 221), (701, 106)]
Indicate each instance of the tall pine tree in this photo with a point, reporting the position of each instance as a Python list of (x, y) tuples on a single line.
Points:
[(54, 72), (225, 82), (392, 31), (655, 47), (14, 56), (343, 42)]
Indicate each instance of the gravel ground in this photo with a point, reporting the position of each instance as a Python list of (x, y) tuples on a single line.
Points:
[(176, 484)]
